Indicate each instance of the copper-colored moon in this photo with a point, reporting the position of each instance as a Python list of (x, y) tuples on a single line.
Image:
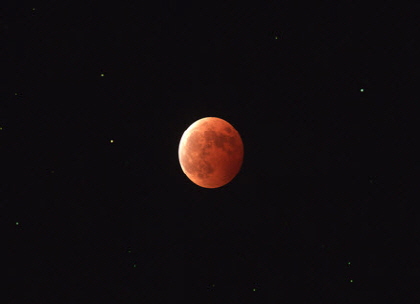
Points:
[(211, 152)]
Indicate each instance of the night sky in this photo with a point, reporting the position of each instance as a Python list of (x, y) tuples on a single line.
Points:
[(96, 96)]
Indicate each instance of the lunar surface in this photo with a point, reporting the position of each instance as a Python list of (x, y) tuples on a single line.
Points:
[(211, 152)]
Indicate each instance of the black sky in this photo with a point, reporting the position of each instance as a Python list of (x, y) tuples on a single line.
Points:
[(321, 95)]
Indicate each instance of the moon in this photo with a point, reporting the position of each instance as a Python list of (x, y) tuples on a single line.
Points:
[(211, 152)]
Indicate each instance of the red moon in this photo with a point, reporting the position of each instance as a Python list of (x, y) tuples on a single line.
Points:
[(211, 152)]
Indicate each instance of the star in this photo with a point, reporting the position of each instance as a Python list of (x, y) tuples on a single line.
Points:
[(210, 287)]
